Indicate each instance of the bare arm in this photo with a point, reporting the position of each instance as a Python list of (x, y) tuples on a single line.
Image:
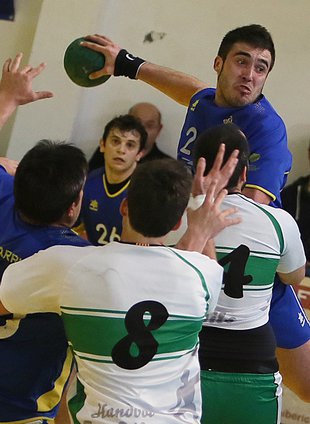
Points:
[(207, 221), (16, 87), (209, 249), (294, 277), (177, 85), (295, 369), (220, 174)]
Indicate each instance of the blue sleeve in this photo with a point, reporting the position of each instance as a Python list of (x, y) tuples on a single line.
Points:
[(6, 184), (287, 317), (270, 159)]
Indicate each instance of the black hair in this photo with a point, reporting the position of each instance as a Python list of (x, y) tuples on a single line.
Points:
[(254, 35), (126, 123), (48, 180), (157, 196), (208, 143)]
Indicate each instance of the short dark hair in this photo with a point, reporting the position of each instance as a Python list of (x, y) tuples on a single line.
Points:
[(254, 35), (208, 143), (126, 123), (157, 196), (48, 180)]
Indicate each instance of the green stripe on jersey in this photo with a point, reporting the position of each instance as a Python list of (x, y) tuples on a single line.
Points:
[(275, 223), (76, 403), (97, 335), (199, 273), (262, 269)]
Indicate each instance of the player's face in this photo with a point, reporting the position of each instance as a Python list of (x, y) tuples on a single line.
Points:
[(241, 77), (150, 119), (121, 151)]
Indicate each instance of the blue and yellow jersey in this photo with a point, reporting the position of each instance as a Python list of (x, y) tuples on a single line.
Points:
[(100, 209), (34, 359), (270, 159)]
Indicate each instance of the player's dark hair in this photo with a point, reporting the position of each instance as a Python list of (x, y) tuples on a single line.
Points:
[(126, 123), (48, 180), (208, 143), (157, 196), (254, 35)]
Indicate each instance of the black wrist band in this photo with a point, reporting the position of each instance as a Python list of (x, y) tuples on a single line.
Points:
[(127, 65)]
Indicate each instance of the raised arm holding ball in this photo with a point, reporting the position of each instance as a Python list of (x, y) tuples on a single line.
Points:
[(245, 57)]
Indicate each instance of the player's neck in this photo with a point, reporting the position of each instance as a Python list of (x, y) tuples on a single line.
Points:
[(116, 177), (234, 191), (63, 222), (129, 235), (239, 186)]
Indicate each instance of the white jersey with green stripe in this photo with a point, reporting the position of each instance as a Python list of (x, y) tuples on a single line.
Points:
[(266, 241), (132, 315)]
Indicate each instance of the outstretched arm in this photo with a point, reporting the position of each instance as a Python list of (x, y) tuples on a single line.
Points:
[(16, 87), (220, 174), (177, 85), (204, 223)]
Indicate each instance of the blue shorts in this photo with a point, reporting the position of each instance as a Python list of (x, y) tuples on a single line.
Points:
[(287, 317)]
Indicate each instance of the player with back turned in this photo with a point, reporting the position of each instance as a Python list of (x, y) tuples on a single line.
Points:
[(133, 329), (237, 344), (37, 209)]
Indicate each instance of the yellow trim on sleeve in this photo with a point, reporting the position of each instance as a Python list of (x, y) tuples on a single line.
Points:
[(273, 197)]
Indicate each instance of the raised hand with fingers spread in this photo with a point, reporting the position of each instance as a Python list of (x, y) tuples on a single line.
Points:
[(16, 86)]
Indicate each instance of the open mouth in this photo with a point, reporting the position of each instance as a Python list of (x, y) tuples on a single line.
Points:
[(118, 160), (244, 89)]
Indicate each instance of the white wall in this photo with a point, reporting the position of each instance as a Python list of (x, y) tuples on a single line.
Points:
[(193, 31)]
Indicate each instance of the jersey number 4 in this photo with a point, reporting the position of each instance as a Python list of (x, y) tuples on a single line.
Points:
[(234, 278)]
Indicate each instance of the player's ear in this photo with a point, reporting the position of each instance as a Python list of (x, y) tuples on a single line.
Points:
[(177, 225), (218, 64), (160, 127), (140, 155), (124, 207), (76, 204), (101, 145), (70, 211), (243, 175)]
